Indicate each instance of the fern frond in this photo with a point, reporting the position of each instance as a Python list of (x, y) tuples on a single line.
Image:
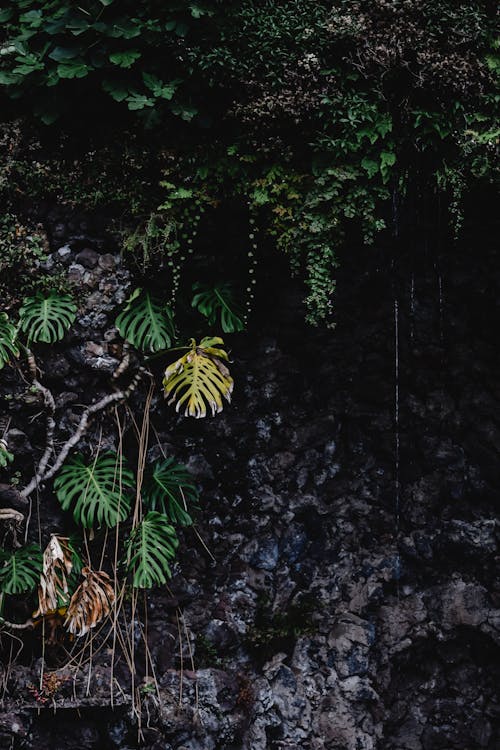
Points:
[(219, 306), (91, 602), (146, 322), (150, 549), (169, 488), (46, 319), (20, 570), (199, 379), (96, 491)]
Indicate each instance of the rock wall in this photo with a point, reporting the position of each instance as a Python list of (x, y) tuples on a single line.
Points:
[(346, 594)]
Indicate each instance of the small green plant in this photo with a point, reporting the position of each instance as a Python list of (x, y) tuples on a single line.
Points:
[(199, 379), (5, 456), (97, 492), (146, 322), (20, 570), (8, 336), (169, 489), (218, 305), (150, 550), (45, 319)]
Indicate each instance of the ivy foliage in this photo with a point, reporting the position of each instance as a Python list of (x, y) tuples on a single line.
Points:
[(127, 51), (314, 115)]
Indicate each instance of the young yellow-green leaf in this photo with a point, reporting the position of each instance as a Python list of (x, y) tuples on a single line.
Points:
[(199, 379)]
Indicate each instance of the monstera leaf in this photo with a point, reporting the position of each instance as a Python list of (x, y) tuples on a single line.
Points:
[(53, 589), (169, 488), (150, 549), (8, 336), (6, 457), (97, 491), (46, 319), (218, 305), (146, 322), (199, 379), (91, 602), (20, 570)]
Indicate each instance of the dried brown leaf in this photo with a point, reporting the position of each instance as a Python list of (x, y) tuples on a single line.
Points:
[(57, 565), (91, 602)]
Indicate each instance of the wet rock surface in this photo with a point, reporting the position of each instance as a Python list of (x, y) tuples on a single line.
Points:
[(347, 593)]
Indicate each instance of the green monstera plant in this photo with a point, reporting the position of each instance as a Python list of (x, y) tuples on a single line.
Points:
[(146, 322), (46, 319), (151, 548), (218, 304), (200, 379), (96, 491), (20, 570), (169, 488)]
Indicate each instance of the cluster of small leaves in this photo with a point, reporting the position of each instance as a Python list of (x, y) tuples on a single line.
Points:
[(128, 51)]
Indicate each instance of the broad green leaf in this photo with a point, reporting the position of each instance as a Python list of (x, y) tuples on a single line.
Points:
[(46, 319), (76, 69), (139, 101), (150, 550), (219, 306), (63, 54), (125, 59), (199, 379), (371, 166), (8, 339), (96, 491), (146, 322), (20, 570), (169, 488), (115, 90)]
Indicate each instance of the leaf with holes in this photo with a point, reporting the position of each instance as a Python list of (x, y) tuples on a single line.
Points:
[(97, 492), (20, 570), (8, 337), (91, 602), (53, 590), (146, 322), (217, 303), (150, 549), (199, 379), (169, 488), (46, 319)]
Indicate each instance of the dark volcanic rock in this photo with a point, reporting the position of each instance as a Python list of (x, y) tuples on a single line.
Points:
[(344, 594)]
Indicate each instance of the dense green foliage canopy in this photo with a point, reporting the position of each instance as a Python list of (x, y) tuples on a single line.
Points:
[(309, 115)]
